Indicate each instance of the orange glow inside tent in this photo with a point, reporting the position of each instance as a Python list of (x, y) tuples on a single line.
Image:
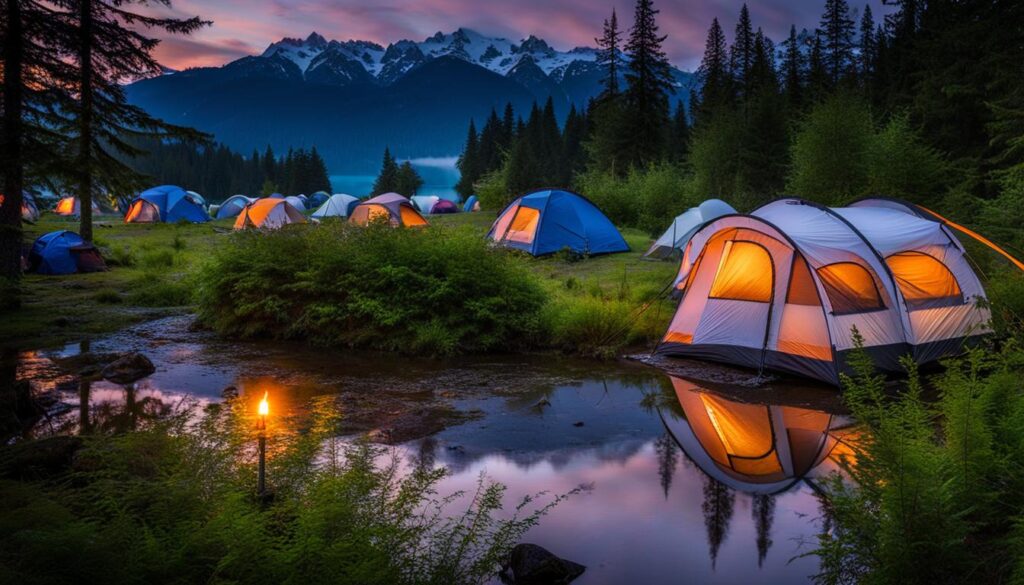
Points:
[(745, 433), (922, 277), (744, 273), (66, 206), (524, 225), (850, 288), (801, 285), (410, 218)]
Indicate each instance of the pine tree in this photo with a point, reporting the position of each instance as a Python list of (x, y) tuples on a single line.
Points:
[(549, 146), (741, 54), (837, 32), (817, 73), (109, 50), (387, 180), (679, 144), (468, 163), (407, 181), (648, 85), (867, 43), (270, 165), (792, 66), (608, 57), (319, 179), (573, 153), (508, 128), (716, 86), (34, 41)]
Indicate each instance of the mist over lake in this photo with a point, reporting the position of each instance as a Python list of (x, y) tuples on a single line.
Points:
[(439, 178)]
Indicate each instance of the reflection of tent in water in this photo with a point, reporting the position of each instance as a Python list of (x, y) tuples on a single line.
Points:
[(757, 448)]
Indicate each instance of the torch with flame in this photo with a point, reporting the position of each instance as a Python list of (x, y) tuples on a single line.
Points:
[(263, 410)]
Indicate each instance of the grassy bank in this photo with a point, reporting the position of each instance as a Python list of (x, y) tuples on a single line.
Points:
[(589, 306)]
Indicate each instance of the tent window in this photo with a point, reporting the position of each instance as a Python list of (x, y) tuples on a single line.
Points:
[(850, 288), (524, 225), (924, 281), (685, 285), (410, 218), (745, 273), (801, 286)]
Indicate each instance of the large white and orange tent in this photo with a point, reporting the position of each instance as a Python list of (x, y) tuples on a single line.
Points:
[(269, 214), (784, 287)]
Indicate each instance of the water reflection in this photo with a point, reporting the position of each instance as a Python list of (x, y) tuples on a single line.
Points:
[(716, 484), (760, 448)]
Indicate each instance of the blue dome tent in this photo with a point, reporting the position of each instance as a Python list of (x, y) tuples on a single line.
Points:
[(167, 204), (544, 222), (317, 199), (232, 206), (64, 252), (472, 204)]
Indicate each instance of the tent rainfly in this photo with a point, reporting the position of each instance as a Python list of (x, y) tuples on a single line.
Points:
[(678, 234), (64, 252), (339, 205), (544, 222), (270, 214), (783, 288), (165, 204), (232, 206), (394, 208)]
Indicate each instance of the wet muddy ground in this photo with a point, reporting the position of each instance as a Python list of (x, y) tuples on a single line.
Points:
[(660, 502)]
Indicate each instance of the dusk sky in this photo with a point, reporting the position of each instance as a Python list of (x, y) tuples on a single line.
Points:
[(246, 27)]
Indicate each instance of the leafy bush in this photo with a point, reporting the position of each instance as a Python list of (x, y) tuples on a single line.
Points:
[(435, 291), (831, 151), (903, 166), (645, 198), (175, 503), (936, 492)]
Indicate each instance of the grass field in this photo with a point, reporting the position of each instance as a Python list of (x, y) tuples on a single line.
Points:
[(594, 308)]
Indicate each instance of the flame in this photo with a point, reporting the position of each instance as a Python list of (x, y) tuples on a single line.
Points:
[(264, 408)]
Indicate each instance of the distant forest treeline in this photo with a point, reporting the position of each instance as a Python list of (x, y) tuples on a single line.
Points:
[(217, 172), (926, 104)]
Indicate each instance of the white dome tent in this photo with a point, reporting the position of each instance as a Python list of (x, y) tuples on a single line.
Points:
[(783, 287), (685, 224), (338, 205), (296, 202)]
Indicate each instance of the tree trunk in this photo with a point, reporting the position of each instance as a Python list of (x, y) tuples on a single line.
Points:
[(13, 155), (85, 134)]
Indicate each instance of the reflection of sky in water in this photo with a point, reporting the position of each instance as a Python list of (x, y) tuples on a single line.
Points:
[(625, 527)]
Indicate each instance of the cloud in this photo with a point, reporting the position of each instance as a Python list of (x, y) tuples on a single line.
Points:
[(245, 26)]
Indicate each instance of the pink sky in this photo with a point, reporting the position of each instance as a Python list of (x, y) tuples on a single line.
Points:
[(246, 27)]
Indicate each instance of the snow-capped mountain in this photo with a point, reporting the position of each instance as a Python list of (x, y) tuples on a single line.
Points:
[(387, 64), (352, 98)]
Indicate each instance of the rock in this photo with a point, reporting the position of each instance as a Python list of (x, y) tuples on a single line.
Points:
[(529, 564), (578, 423), (35, 459), (128, 368)]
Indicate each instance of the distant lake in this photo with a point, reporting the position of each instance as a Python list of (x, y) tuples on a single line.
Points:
[(439, 176)]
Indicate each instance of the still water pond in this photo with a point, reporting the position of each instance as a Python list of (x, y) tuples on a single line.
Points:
[(681, 482)]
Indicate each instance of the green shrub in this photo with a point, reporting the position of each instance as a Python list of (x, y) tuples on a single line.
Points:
[(440, 290), (647, 198), (903, 166), (1005, 291), (936, 492), (595, 326), (174, 503)]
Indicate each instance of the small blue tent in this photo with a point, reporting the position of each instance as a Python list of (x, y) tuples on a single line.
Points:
[(232, 206), (544, 222), (472, 204), (167, 204), (64, 252), (317, 199)]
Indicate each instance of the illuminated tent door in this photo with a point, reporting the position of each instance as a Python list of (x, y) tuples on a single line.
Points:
[(738, 307)]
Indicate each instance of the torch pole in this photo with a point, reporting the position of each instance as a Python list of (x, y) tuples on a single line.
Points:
[(261, 482)]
